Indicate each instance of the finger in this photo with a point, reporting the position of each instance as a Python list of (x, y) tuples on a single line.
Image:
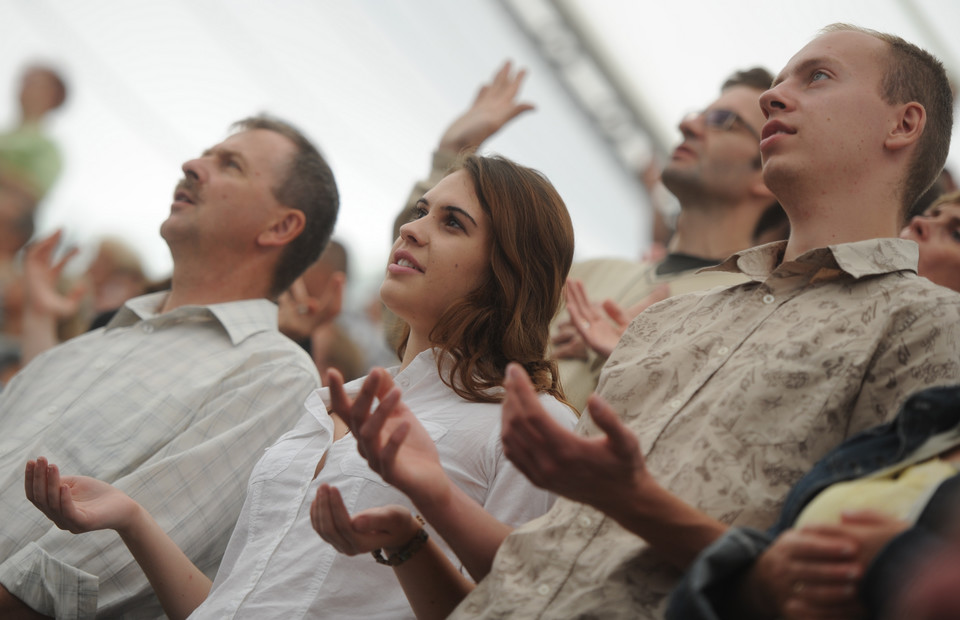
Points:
[(53, 488), (342, 522), (658, 294), (40, 484), (865, 517), (388, 456), (368, 391), (616, 312), (340, 403), (622, 442), (325, 526), (372, 430), (28, 475), (823, 543)]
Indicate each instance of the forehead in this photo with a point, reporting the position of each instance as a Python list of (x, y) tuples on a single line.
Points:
[(262, 149), (744, 100), (850, 52), (455, 189)]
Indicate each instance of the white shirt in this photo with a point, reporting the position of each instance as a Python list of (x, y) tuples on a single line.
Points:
[(174, 409), (276, 566)]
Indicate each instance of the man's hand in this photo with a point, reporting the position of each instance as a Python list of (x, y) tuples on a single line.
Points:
[(300, 313), (602, 333), (41, 274), (493, 107), (599, 471)]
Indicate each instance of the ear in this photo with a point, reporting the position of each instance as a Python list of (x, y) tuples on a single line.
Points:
[(911, 120), (286, 227)]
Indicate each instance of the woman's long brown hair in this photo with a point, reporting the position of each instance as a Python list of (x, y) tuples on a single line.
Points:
[(507, 318)]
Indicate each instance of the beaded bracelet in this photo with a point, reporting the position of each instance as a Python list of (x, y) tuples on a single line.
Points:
[(405, 552)]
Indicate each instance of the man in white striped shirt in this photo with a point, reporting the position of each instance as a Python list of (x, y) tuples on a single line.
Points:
[(176, 398)]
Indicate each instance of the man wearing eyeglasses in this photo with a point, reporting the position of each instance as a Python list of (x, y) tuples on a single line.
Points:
[(716, 176)]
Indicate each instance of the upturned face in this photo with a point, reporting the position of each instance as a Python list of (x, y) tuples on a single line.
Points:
[(826, 118), (718, 160), (442, 255), (226, 196), (937, 232)]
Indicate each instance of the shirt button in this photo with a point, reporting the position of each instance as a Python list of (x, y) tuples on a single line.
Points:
[(723, 351), (148, 328), (543, 589), (675, 403), (585, 521), (768, 299)]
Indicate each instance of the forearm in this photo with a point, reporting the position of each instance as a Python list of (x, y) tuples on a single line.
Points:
[(472, 532), (677, 530), (433, 585), (39, 334), (13, 608), (179, 585)]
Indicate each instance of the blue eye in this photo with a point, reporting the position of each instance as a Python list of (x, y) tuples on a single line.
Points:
[(818, 76)]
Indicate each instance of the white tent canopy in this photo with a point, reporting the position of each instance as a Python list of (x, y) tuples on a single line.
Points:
[(374, 82)]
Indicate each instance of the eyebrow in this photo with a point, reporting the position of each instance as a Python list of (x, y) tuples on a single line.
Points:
[(450, 208)]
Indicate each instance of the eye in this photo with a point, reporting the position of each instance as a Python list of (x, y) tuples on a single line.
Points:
[(818, 76), (453, 222)]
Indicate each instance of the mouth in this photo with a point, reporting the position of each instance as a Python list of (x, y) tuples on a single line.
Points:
[(405, 261), (682, 151), (182, 196), (775, 128)]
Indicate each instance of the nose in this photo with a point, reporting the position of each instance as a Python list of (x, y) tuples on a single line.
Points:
[(691, 125), (194, 169), (773, 99), (922, 227), (412, 232)]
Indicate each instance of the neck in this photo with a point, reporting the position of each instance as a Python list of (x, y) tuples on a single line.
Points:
[(823, 220), (202, 286), (417, 343), (715, 233)]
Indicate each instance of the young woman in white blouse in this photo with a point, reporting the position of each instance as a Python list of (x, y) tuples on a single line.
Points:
[(476, 276)]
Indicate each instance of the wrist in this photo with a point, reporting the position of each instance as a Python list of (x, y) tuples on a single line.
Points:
[(395, 556)]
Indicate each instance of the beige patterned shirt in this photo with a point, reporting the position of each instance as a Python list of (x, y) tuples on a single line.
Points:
[(734, 394)]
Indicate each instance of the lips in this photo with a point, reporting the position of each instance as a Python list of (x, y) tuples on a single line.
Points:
[(774, 127), (404, 259)]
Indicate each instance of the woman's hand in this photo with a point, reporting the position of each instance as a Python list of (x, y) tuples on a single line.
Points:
[(391, 438), (77, 503), (388, 528)]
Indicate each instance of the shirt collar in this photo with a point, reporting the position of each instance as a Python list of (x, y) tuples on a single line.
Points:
[(240, 319), (857, 259)]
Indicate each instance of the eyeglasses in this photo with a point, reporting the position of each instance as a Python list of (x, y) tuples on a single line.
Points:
[(723, 120)]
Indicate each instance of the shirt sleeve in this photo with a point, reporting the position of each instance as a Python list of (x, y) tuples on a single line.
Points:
[(511, 497), (194, 488), (705, 591)]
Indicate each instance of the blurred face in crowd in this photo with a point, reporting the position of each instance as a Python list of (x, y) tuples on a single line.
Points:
[(718, 158), (937, 232)]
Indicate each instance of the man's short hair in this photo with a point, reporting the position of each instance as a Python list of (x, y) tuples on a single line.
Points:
[(309, 187), (913, 74), (757, 77)]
